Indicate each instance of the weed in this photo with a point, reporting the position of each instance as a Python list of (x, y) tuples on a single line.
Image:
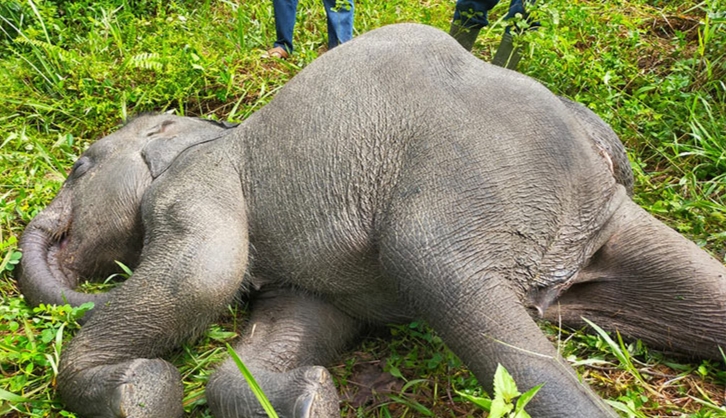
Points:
[(505, 392), (30, 345)]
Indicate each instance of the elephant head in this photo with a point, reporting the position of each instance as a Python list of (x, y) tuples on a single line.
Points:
[(95, 219)]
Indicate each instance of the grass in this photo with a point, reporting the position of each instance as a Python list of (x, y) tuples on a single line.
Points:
[(70, 72)]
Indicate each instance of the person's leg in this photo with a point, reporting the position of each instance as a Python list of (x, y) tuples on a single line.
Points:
[(340, 22), (516, 6), (469, 17), (507, 55), (285, 11), (473, 13)]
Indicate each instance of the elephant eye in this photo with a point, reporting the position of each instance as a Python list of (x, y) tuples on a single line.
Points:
[(80, 167)]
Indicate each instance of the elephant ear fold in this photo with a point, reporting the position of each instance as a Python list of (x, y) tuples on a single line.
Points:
[(169, 139)]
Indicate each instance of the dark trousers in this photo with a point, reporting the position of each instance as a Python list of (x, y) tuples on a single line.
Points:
[(340, 22), (473, 13)]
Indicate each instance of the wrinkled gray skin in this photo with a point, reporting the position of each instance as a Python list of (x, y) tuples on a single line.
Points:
[(396, 177)]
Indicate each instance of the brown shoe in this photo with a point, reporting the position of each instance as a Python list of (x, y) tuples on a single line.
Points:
[(276, 52)]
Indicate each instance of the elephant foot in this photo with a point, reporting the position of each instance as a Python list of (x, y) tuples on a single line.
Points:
[(305, 392), (319, 398), (151, 388), (140, 388)]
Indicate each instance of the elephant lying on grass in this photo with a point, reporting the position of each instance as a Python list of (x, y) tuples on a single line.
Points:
[(396, 177)]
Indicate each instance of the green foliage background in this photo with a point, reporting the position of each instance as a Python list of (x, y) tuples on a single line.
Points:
[(72, 71)]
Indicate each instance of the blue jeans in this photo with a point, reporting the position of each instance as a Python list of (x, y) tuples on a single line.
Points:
[(473, 13), (340, 22)]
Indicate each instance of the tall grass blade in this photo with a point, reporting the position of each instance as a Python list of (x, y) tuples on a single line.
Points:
[(420, 409), (622, 355), (40, 20), (11, 397), (259, 394)]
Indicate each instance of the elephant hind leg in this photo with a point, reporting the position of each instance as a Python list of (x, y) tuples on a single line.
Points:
[(649, 282), (289, 338)]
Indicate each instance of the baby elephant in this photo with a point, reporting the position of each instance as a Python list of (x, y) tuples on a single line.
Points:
[(396, 177)]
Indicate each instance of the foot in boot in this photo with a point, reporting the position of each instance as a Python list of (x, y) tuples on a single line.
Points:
[(466, 36), (507, 55)]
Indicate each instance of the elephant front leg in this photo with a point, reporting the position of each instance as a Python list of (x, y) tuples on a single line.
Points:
[(112, 367), (135, 388), (192, 266), (289, 338)]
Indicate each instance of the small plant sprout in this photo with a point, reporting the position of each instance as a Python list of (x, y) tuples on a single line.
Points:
[(505, 394)]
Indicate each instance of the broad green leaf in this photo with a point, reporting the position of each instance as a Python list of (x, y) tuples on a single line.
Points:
[(524, 400), (504, 385), (395, 372), (500, 408), (521, 414), (527, 396)]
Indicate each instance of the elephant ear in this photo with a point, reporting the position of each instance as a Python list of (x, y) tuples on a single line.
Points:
[(171, 137)]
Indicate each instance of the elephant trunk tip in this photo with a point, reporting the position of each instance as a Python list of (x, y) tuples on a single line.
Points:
[(41, 276)]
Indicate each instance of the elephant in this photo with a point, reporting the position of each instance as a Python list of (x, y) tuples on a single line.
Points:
[(396, 177)]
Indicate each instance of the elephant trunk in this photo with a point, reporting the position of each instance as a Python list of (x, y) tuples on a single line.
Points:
[(42, 278)]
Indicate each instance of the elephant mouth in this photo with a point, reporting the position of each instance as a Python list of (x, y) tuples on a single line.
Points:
[(53, 259)]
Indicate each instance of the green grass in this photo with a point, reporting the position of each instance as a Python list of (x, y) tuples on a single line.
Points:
[(71, 71)]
